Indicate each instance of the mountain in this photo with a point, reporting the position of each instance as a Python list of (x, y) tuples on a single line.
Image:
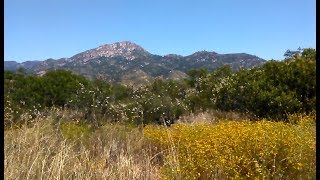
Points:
[(129, 63), (13, 65)]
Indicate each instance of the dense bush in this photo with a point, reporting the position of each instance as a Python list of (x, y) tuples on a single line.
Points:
[(274, 90), (159, 100)]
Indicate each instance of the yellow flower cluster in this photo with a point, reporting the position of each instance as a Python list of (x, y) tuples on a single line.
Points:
[(232, 149)]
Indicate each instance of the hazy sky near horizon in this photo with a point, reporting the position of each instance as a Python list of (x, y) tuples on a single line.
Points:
[(42, 29)]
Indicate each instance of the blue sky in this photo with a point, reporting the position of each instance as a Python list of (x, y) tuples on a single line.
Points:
[(42, 29)]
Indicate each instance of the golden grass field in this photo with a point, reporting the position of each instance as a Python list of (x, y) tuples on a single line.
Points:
[(204, 149)]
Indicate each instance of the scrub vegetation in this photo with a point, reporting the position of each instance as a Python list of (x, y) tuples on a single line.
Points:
[(254, 123)]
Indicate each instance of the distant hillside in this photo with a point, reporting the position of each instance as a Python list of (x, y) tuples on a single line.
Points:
[(129, 63), (13, 65)]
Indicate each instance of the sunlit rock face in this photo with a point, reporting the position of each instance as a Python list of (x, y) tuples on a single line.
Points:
[(124, 49)]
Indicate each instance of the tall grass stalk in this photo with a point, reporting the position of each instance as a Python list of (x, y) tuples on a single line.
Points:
[(110, 152)]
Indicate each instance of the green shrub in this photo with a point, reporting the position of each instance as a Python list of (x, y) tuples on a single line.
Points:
[(73, 130)]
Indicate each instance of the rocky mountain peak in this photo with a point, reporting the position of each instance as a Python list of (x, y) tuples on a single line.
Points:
[(121, 46), (125, 49), (203, 52)]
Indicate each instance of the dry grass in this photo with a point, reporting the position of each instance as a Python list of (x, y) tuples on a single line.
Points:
[(56, 146), (46, 151), (212, 117)]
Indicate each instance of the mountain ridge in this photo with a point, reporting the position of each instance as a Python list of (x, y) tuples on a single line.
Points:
[(127, 62)]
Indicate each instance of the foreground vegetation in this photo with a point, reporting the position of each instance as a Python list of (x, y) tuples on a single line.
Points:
[(232, 149), (53, 148), (254, 123)]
